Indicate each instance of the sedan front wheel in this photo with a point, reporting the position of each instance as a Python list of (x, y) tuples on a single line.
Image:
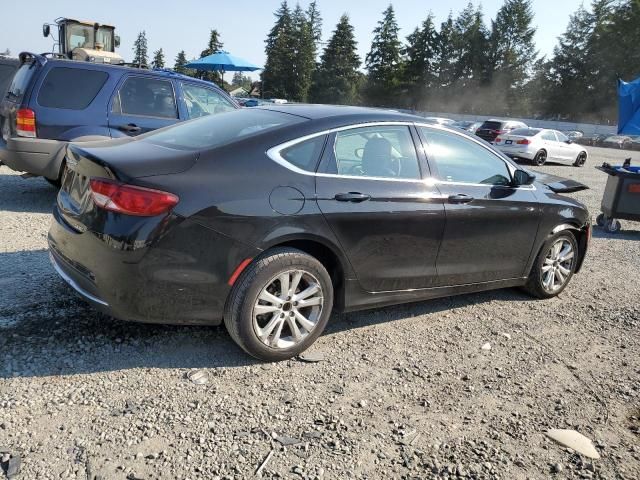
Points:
[(554, 266), (280, 304)]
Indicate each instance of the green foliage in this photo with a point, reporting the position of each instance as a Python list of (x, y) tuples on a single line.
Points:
[(420, 72), (384, 62), (315, 20), (214, 45), (179, 65), (158, 59), (277, 76), (140, 49), (337, 78)]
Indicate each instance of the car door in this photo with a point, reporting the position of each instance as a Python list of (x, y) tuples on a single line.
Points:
[(387, 218), (551, 145), (565, 149), (490, 225), (141, 104), (198, 101)]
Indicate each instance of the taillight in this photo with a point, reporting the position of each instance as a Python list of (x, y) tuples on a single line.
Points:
[(131, 200), (524, 141), (498, 140), (26, 122)]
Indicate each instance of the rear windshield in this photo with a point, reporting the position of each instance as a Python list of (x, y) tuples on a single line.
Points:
[(525, 132), (6, 74), (21, 80), (71, 88), (492, 125), (217, 130)]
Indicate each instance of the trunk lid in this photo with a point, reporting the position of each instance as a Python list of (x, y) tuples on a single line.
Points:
[(123, 160)]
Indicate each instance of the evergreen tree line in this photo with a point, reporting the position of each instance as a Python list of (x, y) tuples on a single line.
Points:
[(463, 65)]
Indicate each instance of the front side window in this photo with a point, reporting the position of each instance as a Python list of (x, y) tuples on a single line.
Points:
[(71, 88), (381, 151), (461, 160), (146, 97), (561, 137), (202, 101)]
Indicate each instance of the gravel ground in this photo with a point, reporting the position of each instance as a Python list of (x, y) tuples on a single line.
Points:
[(401, 392)]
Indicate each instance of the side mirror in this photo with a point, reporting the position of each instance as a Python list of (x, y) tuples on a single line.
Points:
[(569, 141), (116, 40), (46, 30), (359, 152), (522, 177)]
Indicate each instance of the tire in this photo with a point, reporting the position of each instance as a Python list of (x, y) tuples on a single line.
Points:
[(540, 158), (581, 159), (536, 285), (262, 278), (601, 220), (612, 225)]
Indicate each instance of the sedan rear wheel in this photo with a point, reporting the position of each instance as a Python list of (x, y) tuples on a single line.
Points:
[(554, 266), (540, 158), (279, 305)]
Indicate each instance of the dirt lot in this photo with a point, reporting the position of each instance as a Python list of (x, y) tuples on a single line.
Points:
[(402, 392)]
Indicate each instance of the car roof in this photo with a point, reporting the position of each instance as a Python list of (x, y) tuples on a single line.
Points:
[(342, 112), (166, 73)]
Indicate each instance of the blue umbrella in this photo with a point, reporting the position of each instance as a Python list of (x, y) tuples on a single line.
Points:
[(222, 62), (629, 107)]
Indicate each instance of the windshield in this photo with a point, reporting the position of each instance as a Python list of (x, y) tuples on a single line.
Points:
[(217, 130), (79, 36), (525, 132), (105, 37)]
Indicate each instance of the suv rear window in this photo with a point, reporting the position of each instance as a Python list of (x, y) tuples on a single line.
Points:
[(71, 88), (6, 74), (21, 80)]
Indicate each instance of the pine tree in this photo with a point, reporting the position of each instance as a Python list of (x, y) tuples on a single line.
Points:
[(277, 73), (445, 66), (420, 69), (140, 49), (158, 59), (315, 20), (180, 62), (337, 77), (214, 45), (304, 51), (512, 54), (383, 62)]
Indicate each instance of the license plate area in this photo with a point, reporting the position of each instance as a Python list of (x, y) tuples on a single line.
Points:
[(508, 142)]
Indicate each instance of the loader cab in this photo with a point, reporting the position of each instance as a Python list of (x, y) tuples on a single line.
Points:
[(85, 41)]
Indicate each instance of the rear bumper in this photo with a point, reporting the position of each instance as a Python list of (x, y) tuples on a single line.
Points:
[(518, 153), (179, 276), (33, 155)]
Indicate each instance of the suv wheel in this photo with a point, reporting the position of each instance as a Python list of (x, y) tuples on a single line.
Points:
[(554, 266), (280, 304)]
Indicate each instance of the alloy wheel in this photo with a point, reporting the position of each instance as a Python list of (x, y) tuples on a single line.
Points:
[(558, 265), (541, 158), (287, 309)]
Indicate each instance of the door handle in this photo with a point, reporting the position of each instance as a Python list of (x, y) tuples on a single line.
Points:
[(130, 128), (460, 198), (355, 197)]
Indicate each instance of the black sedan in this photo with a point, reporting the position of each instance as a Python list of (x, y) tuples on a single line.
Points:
[(269, 218)]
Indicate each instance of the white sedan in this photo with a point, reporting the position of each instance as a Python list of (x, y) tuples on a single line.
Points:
[(539, 145)]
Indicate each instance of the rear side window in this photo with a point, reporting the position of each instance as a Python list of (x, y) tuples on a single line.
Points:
[(71, 88), (549, 135), (146, 97), (21, 80), (305, 155)]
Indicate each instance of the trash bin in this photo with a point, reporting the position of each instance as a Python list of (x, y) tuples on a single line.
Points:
[(621, 200)]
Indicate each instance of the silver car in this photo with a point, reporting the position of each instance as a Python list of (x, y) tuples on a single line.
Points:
[(539, 144)]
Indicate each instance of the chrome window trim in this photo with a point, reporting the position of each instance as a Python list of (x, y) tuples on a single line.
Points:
[(274, 153)]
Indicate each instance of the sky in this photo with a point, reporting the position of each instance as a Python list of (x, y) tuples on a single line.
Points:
[(243, 25)]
